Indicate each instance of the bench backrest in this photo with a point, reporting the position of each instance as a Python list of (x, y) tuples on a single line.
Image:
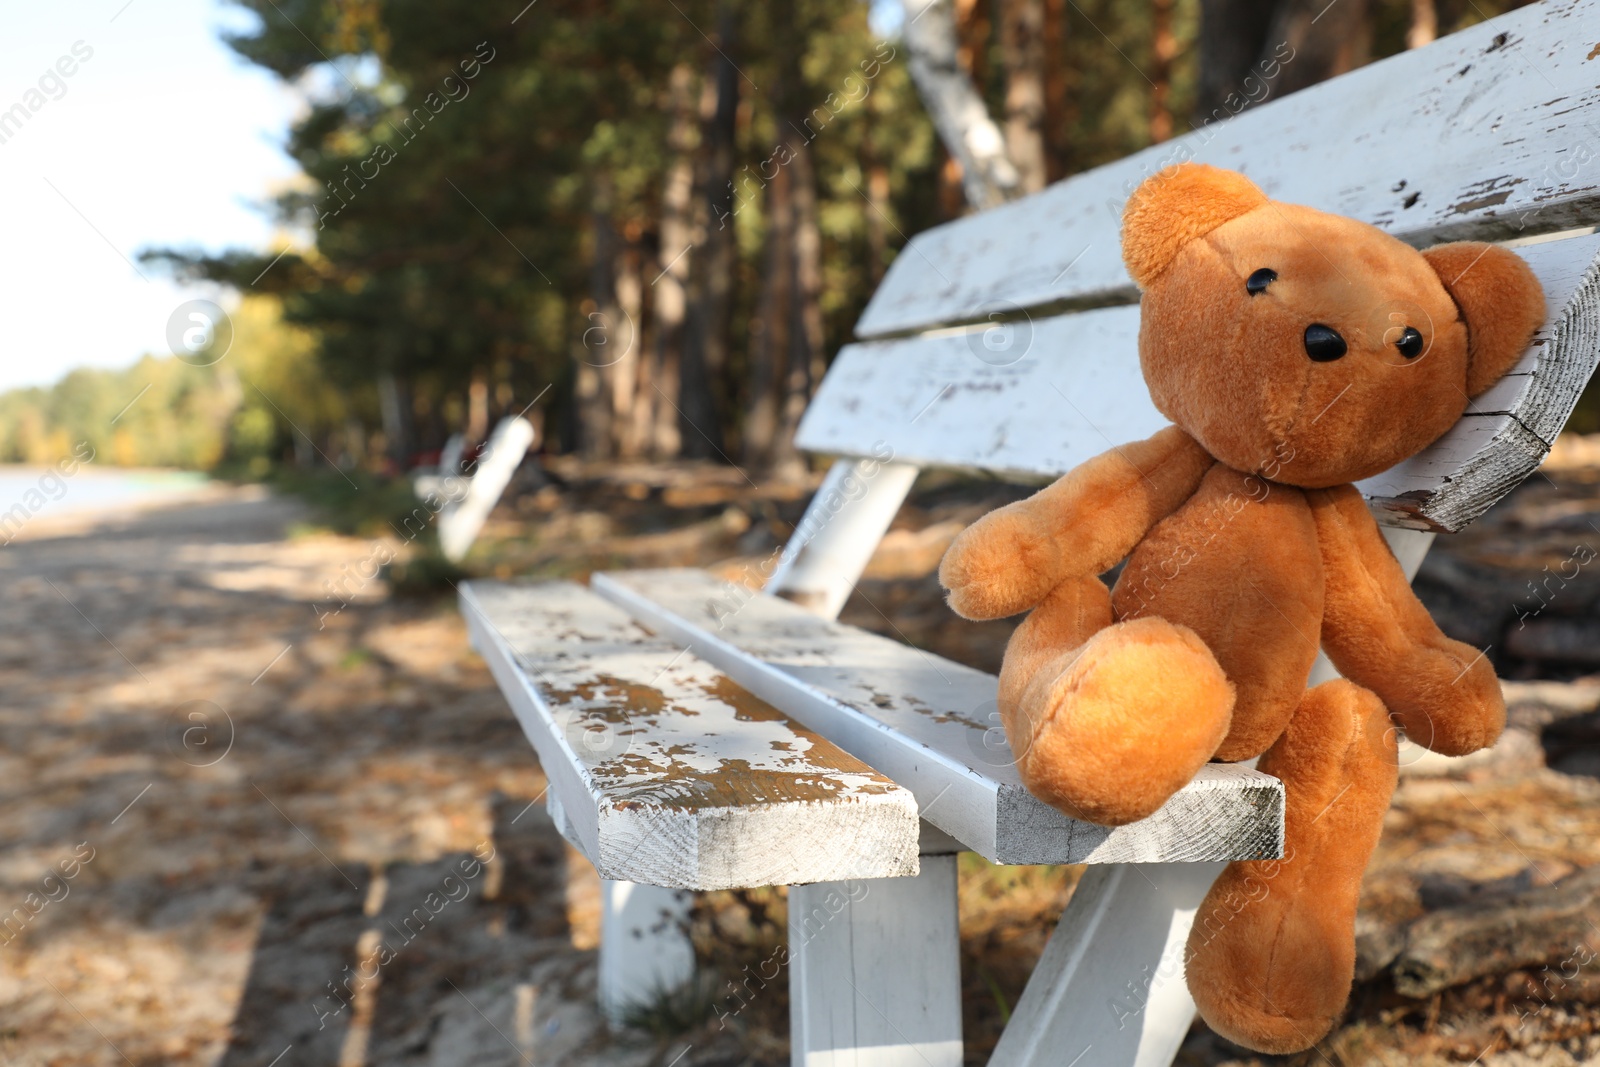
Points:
[(1007, 340)]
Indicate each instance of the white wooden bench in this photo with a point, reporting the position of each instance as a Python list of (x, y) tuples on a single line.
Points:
[(699, 736)]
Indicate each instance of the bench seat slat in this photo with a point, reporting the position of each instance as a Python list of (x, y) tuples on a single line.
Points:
[(932, 725), (666, 772), (1486, 134), (1036, 398)]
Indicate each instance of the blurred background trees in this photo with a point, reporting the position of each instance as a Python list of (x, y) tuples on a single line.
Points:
[(647, 224)]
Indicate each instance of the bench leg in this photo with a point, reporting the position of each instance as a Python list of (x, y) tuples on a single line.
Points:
[(644, 944), (1109, 989), (839, 532), (875, 971)]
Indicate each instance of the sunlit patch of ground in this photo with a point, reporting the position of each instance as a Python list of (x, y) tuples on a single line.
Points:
[(258, 765)]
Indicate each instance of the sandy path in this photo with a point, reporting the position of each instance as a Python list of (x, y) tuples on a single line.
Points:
[(249, 799), (221, 801)]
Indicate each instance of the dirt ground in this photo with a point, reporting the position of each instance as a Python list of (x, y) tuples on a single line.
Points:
[(222, 795)]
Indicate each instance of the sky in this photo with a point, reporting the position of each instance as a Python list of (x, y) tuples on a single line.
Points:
[(160, 137)]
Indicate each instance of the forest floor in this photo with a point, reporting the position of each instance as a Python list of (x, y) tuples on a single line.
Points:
[(222, 789)]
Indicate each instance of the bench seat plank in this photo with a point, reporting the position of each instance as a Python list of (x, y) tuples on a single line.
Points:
[(666, 772), (1036, 398), (933, 726), (1486, 134)]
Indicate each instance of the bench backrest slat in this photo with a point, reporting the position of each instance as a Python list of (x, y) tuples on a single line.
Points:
[(1491, 133), (1034, 398)]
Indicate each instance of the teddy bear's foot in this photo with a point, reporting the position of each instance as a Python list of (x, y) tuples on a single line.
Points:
[(1108, 731), (1272, 952)]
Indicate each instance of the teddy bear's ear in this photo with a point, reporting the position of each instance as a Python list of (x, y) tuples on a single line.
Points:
[(1173, 207), (1500, 300)]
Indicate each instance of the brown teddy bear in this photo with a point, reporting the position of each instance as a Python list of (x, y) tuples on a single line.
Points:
[(1295, 352)]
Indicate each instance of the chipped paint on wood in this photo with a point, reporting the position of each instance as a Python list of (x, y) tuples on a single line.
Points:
[(666, 771), (1480, 135), (928, 723)]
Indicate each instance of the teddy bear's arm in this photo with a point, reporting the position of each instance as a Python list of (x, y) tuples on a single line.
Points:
[(1375, 630), (1082, 525)]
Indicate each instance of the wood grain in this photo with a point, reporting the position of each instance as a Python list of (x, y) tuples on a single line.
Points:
[(1489, 133), (1032, 400), (933, 726), (669, 774), (1548, 925)]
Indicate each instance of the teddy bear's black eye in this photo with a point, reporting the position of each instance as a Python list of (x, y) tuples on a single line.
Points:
[(1323, 343), (1257, 283), (1410, 343)]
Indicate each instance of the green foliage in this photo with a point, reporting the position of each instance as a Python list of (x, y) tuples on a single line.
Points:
[(356, 502), (451, 163), (162, 412)]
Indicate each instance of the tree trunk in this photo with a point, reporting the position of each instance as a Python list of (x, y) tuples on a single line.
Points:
[(394, 404), (877, 212), (973, 27), (1424, 24), (599, 346), (1054, 35), (677, 238), (1163, 49), (477, 428), (1254, 50), (807, 361), (970, 135), (1022, 45), (770, 343), (1231, 39), (1327, 40), (711, 277), (631, 385)]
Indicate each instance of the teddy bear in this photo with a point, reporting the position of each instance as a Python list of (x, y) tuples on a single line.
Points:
[(1294, 352)]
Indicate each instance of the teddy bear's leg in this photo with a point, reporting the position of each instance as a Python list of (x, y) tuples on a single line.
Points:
[(1109, 720), (1272, 952)]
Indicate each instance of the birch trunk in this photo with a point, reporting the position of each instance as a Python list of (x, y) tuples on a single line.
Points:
[(965, 127)]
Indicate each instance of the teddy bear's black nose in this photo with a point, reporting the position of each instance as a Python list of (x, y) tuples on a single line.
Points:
[(1323, 343)]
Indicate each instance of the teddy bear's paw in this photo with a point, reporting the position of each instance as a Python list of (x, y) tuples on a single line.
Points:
[(1450, 702), (1246, 1018), (1114, 728), (999, 566)]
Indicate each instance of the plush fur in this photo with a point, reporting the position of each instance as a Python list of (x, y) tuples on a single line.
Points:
[(1246, 550)]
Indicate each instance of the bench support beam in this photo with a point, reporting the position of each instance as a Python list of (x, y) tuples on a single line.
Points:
[(875, 965), (1109, 989), (875, 971), (644, 945), (841, 529)]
